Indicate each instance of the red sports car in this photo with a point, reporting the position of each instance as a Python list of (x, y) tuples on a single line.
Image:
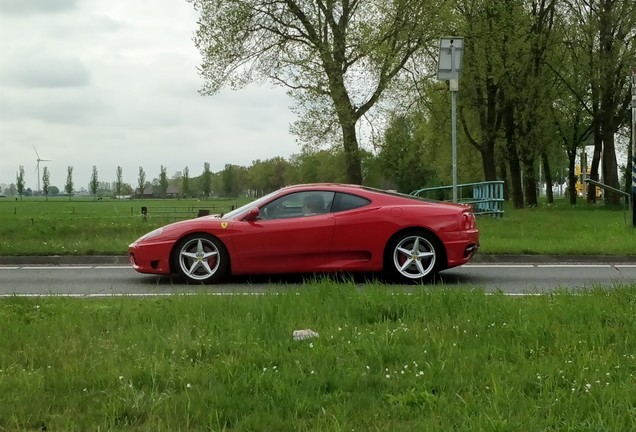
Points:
[(315, 228)]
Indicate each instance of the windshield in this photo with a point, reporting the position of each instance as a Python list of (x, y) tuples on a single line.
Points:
[(235, 214)]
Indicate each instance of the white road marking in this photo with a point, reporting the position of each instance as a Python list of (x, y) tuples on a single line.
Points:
[(119, 267), (56, 267), (499, 265), (9, 268), (625, 266), (574, 265)]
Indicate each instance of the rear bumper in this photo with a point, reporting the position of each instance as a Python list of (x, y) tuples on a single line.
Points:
[(461, 246)]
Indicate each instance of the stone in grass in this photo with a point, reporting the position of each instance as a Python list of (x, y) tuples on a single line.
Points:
[(304, 334)]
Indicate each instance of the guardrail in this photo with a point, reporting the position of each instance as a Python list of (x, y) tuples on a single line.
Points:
[(487, 198), (616, 191)]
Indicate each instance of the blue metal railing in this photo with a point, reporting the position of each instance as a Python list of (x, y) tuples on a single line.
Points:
[(487, 198)]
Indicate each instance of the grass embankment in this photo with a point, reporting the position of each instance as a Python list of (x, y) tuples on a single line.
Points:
[(82, 227), (60, 227), (434, 360)]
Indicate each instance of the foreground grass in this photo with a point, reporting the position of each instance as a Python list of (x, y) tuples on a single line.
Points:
[(433, 360), (60, 227)]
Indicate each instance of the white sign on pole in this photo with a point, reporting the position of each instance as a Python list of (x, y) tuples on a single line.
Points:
[(451, 49)]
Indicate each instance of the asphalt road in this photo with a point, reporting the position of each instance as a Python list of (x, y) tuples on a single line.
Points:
[(95, 279)]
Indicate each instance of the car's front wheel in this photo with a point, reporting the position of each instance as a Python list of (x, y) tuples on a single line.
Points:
[(413, 256), (201, 258)]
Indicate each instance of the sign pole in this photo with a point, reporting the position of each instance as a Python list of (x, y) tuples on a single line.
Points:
[(453, 88), (634, 148), (448, 68)]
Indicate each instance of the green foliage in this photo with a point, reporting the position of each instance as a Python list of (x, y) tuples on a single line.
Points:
[(46, 182), (320, 166), (141, 181), (206, 180), (94, 182), (20, 181), (269, 175), (185, 182), (68, 187), (435, 359), (163, 180), (119, 181), (402, 156)]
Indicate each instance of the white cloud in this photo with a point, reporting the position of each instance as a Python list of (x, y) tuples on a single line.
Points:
[(114, 82)]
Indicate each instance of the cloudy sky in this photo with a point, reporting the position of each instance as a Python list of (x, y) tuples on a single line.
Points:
[(114, 82)]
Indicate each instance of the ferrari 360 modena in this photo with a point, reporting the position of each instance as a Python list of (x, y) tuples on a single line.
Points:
[(315, 228)]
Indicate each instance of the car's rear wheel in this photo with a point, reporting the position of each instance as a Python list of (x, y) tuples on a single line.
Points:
[(413, 256), (201, 258)]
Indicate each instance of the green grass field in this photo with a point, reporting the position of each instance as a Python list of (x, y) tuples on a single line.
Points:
[(62, 227), (435, 360), (86, 227)]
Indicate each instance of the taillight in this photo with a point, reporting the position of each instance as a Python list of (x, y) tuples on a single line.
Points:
[(468, 220)]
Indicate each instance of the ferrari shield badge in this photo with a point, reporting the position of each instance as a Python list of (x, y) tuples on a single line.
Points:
[(223, 225)]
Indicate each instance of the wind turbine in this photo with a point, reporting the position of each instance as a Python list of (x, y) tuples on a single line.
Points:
[(38, 165)]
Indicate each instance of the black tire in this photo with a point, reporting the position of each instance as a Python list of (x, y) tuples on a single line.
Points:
[(413, 257), (201, 258)]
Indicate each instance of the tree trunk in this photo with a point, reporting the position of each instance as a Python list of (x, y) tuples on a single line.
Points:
[(596, 159), (610, 167), (548, 178), (353, 164), (488, 159), (513, 160), (571, 176), (529, 182), (503, 175)]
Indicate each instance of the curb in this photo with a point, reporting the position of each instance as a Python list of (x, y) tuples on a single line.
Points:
[(65, 260), (478, 258)]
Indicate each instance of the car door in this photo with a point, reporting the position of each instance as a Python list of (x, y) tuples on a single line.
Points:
[(355, 244), (284, 239)]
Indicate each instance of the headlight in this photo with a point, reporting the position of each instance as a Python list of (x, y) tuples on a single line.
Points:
[(151, 234)]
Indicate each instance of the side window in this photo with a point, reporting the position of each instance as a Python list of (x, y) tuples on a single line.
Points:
[(299, 204), (348, 202)]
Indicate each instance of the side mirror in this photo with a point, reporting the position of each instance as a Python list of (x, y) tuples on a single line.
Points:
[(252, 214)]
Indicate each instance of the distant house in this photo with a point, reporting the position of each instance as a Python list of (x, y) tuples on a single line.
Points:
[(149, 192), (173, 192)]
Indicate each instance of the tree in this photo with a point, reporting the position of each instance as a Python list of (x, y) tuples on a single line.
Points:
[(206, 180), (94, 183), (267, 176), (20, 181), (185, 182), (68, 187), (609, 34), (141, 181), (119, 181), (54, 190), (340, 56), (12, 190), (163, 181), (482, 71), (46, 182), (402, 156)]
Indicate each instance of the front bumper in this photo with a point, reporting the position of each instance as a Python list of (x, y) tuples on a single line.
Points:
[(151, 258)]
